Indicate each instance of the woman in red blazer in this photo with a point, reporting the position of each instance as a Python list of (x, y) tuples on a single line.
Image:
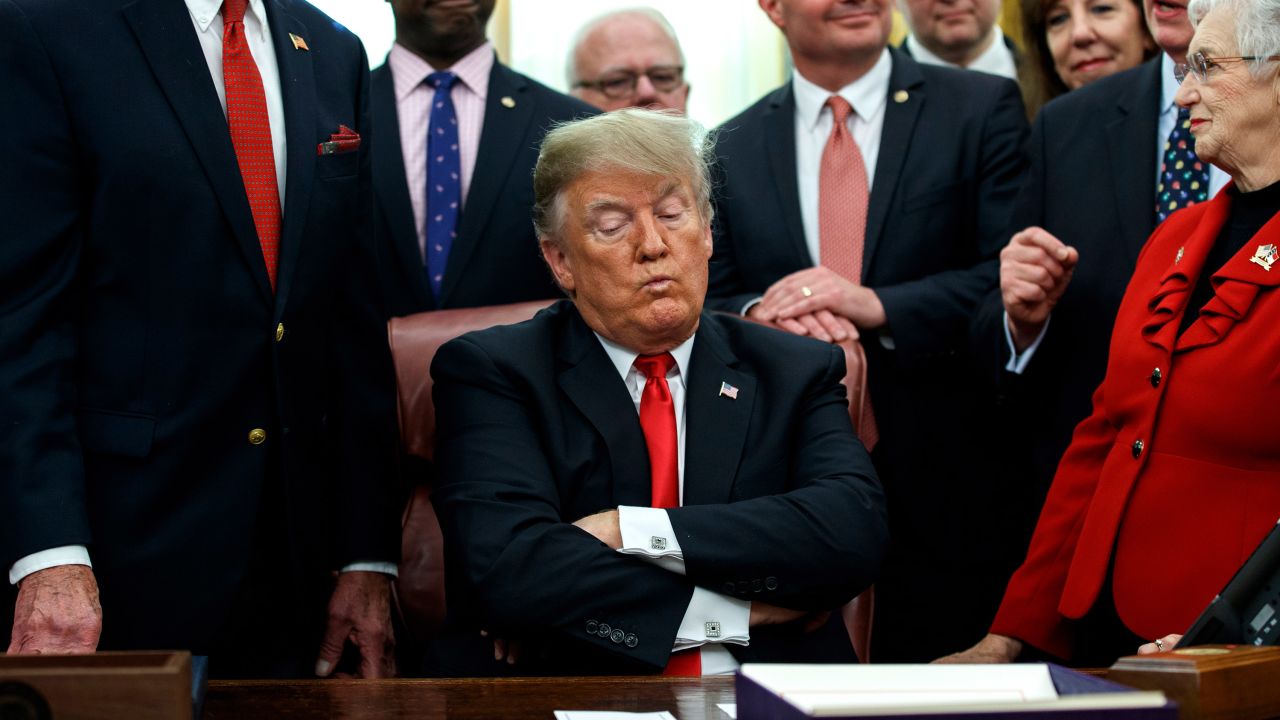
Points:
[(1175, 477)]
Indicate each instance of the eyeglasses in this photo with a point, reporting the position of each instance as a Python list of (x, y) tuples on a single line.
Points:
[(1199, 65), (622, 84)]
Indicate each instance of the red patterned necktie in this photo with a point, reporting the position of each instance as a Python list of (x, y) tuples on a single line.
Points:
[(658, 421), (251, 132), (843, 197)]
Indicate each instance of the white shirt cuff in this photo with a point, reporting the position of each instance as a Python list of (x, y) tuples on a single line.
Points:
[(750, 304), (647, 532), (1018, 363), (45, 559), (714, 618), (385, 568), (716, 660)]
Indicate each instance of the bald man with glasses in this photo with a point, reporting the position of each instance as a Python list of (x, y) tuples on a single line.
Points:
[(629, 58)]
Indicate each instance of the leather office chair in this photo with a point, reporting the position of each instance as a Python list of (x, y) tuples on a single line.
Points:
[(414, 341)]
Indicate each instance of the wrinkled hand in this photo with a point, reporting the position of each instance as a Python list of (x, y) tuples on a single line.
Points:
[(766, 614), (57, 612), (1035, 269), (360, 613), (604, 527), (990, 649), (1166, 644), (826, 291)]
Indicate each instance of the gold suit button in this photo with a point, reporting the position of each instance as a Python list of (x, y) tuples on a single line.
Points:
[(279, 332), (1137, 448), (1156, 376), (257, 436)]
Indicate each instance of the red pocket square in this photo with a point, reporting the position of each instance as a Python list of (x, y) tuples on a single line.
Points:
[(345, 140)]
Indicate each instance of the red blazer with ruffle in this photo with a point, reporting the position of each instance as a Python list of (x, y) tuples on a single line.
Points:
[(1175, 476)]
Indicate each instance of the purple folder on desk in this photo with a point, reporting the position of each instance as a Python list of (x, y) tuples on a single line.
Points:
[(762, 695)]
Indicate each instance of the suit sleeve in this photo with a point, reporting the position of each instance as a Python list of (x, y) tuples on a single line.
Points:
[(726, 290), (931, 315), (822, 541), (41, 466), (368, 500), (499, 510)]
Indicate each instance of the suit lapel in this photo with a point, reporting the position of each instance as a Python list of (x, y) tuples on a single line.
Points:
[(780, 134), (505, 129), (715, 423), (895, 141), (164, 31), (298, 90), (591, 382), (391, 187), (1132, 157)]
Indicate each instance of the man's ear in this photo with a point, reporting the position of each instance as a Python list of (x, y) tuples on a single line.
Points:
[(559, 263)]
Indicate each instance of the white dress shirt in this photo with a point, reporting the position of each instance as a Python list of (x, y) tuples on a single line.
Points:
[(1168, 115), (640, 525), (413, 110), (206, 15), (997, 59)]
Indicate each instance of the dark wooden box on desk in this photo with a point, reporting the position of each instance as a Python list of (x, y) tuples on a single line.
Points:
[(1210, 682), (107, 685)]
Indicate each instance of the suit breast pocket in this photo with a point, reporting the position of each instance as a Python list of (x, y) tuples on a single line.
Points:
[(932, 197), (338, 165), (113, 433)]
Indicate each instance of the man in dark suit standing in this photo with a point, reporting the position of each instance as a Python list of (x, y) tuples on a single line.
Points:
[(458, 134), (739, 505), (194, 379), (1098, 160), (869, 196)]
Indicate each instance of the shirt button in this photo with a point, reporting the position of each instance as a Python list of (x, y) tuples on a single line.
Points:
[(257, 436), (1156, 376), (1138, 445)]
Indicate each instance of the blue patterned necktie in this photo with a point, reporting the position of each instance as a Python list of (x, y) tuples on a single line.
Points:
[(1184, 178), (444, 179)]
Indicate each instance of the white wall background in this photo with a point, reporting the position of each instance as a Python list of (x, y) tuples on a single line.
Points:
[(733, 54)]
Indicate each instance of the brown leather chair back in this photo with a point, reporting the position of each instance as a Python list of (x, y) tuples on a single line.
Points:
[(414, 341)]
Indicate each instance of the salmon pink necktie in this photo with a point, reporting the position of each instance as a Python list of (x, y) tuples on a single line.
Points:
[(251, 132), (843, 197), (658, 421)]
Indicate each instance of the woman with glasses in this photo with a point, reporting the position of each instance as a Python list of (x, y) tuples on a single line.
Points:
[(1071, 43), (1174, 478)]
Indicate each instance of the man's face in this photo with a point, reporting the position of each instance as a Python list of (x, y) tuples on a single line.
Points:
[(633, 252), (441, 28), (952, 28), (626, 47), (831, 30), (1169, 25)]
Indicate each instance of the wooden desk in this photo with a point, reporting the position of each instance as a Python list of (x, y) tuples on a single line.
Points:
[(516, 699)]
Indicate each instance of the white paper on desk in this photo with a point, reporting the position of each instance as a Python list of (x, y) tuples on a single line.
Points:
[(730, 709), (606, 715), (825, 690)]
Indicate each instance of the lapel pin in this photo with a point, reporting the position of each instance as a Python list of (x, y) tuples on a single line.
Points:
[(507, 102), (1178, 258), (729, 391), (901, 96), (299, 43), (1265, 256)]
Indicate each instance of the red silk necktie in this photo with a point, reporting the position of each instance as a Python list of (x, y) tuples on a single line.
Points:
[(251, 132), (843, 198), (658, 421)]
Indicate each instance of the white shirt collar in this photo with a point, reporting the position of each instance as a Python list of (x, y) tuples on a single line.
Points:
[(997, 59), (1168, 84), (206, 11), (408, 71), (623, 359), (867, 94)]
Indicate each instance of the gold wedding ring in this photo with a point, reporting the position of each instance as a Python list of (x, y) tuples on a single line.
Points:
[(805, 291)]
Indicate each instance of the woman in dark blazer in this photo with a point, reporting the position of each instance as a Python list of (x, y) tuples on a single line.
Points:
[(1175, 477)]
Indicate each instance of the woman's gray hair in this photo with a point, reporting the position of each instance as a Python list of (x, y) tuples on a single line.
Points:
[(662, 143), (1257, 27)]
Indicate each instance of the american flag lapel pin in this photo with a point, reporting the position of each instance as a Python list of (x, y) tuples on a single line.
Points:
[(729, 391), (299, 43)]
